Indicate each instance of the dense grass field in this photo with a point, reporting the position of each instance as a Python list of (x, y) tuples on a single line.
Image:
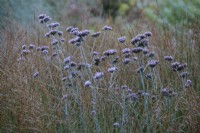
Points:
[(104, 78)]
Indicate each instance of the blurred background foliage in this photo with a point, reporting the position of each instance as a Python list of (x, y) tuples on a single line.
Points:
[(93, 11)]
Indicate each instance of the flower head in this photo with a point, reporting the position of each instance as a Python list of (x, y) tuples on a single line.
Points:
[(152, 63), (175, 65), (76, 40), (60, 33), (151, 54), (149, 75), (145, 51), (165, 92), (64, 78), (140, 69), (87, 83), (98, 75), (42, 48), (168, 58), (95, 53), (124, 87), (121, 39), (45, 52), (181, 66), (137, 50), (54, 42), (25, 52), (47, 34), (54, 55), (41, 16), (36, 74), (135, 40), (107, 28), (184, 75), (53, 25), (133, 96), (143, 43), (97, 61), (66, 67), (126, 50), (148, 34), (62, 40), (110, 52), (116, 124), (31, 46), (126, 61), (96, 34), (112, 69), (68, 29), (46, 19), (188, 83), (53, 32), (72, 64), (83, 33), (115, 60), (24, 46)]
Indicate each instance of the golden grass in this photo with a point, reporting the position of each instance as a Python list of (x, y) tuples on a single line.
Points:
[(36, 105)]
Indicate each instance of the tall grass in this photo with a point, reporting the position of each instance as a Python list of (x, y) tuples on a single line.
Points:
[(90, 84)]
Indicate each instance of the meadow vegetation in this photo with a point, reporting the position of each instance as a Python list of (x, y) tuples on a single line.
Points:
[(99, 77)]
